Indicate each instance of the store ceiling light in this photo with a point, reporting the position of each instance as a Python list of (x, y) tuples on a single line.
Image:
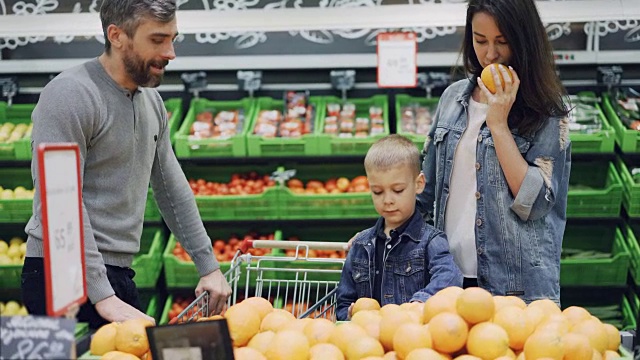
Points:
[(388, 16)]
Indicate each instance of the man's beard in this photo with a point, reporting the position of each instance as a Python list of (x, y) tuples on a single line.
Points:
[(140, 72)]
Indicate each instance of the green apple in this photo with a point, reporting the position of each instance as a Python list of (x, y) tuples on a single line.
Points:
[(3, 247), (14, 251), (23, 249), (23, 311), (16, 241), (11, 308), (6, 194), (5, 260)]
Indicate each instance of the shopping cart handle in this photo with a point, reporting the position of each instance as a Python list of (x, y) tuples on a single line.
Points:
[(278, 244)]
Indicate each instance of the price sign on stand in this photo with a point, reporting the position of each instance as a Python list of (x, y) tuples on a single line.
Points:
[(397, 60), (37, 337), (204, 340), (61, 198)]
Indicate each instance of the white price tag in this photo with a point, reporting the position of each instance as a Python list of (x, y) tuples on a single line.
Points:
[(61, 198), (397, 60)]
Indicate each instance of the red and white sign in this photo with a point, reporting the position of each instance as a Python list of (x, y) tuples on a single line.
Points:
[(397, 60), (63, 231)]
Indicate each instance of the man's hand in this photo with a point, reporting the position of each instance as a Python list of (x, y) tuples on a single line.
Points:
[(218, 288), (113, 309), (350, 243)]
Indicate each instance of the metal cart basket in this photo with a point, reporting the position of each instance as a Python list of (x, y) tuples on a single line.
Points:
[(304, 285)]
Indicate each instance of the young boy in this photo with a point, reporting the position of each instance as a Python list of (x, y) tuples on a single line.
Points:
[(402, 258)]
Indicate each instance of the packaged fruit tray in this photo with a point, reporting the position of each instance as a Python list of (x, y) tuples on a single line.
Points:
[(148, 263), (234, 192), (15, 131), (215, 129), (285, 130), (414, 117), (13, 248), (326, 191), (627, 136), (630, 177), (174, 113), (594, 255), (595, 190), (181, 272), (590, 131), (351, 127), (16, 195)]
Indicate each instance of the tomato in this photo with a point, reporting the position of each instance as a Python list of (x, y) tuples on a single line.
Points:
[(295, 184)]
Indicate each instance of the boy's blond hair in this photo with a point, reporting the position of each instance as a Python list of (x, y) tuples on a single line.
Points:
[(391, 151)]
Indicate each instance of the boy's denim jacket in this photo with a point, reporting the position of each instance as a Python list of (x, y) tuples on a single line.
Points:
[(519, 239), (418, 266)]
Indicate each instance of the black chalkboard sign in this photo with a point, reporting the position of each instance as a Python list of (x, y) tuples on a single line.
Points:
[(204, 340), (37, 337)]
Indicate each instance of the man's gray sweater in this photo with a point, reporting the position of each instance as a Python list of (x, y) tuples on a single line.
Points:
[(124, 146)]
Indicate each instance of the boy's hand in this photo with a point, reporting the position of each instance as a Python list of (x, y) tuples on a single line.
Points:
[(353, 238), (350, 311)]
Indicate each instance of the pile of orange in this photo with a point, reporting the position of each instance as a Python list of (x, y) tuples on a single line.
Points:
[(123, 341), (457, 324)]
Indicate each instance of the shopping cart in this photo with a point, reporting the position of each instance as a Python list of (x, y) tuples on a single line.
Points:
[(304, 285)]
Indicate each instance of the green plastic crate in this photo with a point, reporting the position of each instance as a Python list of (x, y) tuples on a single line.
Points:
[(595, 190), (403, 100), (595, 272), (307, 144), (634, 250), (17, 114), (183, 274), (631, 189), (325, 206), (602, 141), (148, 263), (233, 147), (334, 145), (627, 139), (151, 210), (10, 275), (174, 106), (16, 210), (234, 207)]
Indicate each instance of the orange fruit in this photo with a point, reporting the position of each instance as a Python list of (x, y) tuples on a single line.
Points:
[(244, 323), (325, 352), (104, 340), (276, 320), (261, 341), (613, 336), (555, 323), (576, 347), (318, 331), (517, 301), (366, 317), (448, 332), (391, 355), (388, 326), (610, 355), (549, 307), (467, 357), (544, 344), (596, 355), (595, 332), (535, 315), (118, 355), (409, 337), (501, 302), (575, 314), (451, 291), (363, 347), (247, 353), (487, 341), (344, 335), (288, 345), (365, 304), (131, 337), (487, 76), (297, 324), (260, 304), (437, 304), (515, 322), (424, 354), (389, 308), (475, 305), (415, 310)]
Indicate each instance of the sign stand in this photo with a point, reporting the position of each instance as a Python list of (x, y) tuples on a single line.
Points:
[(63, 231), (397, 60)]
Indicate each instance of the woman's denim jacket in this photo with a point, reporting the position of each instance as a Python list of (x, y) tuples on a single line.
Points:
[(416, 267), (518, 239)]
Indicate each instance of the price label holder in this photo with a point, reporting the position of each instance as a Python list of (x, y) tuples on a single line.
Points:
[(610, 76), (249, 81), (61, 198), (343, 80), (397, 60), (431, 80), (9, 88), (37, 337), (194, 82), (203, 340)]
